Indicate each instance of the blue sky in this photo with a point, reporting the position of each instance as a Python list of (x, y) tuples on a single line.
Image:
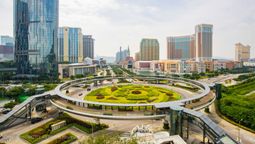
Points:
[(116, 23)]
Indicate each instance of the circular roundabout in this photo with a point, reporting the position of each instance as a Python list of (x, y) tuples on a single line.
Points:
[(136, 98)]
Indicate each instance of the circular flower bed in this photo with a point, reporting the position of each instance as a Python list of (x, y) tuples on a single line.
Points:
[(132, 94)]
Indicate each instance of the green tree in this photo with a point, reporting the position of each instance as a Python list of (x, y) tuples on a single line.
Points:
[(15, 92), (72, 77), (31, 91), (10, 105), (2, 91), (79, 76), (195, 76)]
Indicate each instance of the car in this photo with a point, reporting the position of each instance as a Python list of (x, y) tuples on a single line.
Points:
[(88, 89), (36, 120), (6, 111)]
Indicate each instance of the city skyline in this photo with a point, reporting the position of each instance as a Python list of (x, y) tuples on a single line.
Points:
[(130, 21)]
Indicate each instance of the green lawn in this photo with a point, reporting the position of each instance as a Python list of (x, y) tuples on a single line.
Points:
[(132, 94)]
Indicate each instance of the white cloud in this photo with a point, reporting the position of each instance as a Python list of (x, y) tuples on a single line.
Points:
[(116, 23)]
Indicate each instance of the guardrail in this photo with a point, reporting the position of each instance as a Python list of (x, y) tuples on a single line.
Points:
[(68, 84)]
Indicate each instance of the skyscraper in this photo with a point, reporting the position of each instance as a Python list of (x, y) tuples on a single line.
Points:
[(70, 45), (242, 52), (6, 48), (149, 49), (35, 32), (181, 47), (88, 46), (122, 55), (137, 56), (204, 41)]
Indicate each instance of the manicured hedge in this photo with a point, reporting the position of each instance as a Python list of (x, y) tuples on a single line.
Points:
[(238, 106), (65, 139), (43, 132)]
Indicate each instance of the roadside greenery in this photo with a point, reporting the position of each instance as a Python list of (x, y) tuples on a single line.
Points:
[(10, 105), (196, 76), (21, 93), (187, 87), (117, 70), (245, 77), (65, 139), (44, 131), (238, 103)]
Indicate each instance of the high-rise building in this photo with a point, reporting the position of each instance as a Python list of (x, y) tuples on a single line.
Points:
[(181, 47), (122, 55), (70, 45), (6, 53), (6, 40), (242, 52), (149, 49), (35, 32), (137, 56), (6, 48), (88, 46), (204, 41)]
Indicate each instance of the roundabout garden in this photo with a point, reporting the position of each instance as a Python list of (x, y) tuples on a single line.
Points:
[(132, 94)]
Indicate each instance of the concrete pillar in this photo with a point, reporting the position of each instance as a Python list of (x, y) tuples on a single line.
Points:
[(204, 133), (188, 120)]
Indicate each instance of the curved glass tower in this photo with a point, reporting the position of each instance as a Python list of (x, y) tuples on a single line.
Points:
[(35, 31)]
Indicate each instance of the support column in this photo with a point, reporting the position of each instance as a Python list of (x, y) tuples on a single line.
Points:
[(204, 133), (30, 110), (188, 120)]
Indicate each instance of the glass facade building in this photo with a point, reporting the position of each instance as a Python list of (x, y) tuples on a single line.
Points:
[(204, 41), (197, 46), (6, 40), (88, 46), (35, 31), (182, 47), (70, 45), (122, 55)]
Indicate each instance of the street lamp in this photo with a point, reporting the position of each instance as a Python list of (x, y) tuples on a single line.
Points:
[(239, 132)]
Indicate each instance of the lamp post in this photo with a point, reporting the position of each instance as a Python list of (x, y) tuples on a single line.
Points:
[(239, 133)]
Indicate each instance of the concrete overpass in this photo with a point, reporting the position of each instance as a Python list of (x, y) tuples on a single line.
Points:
[(159, 110)]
